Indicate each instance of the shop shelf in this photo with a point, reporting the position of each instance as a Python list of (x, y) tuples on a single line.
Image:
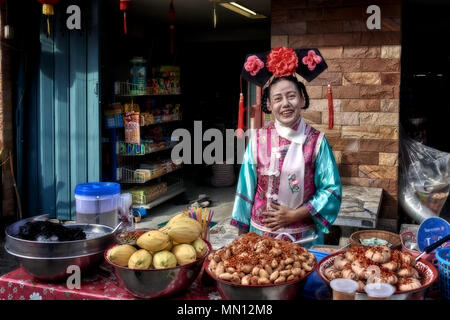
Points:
[(138, 177), (167, 147), (126, 89), (172, 191)]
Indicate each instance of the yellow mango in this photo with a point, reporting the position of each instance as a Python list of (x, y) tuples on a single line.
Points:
[(121, 254), (141, 260), (185, 253), (153, 241)]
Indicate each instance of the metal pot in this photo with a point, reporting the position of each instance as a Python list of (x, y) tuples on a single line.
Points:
[(48, 261), (157, 283), (284, 291)]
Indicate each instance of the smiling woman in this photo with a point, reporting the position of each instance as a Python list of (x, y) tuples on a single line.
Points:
[(289, 185)]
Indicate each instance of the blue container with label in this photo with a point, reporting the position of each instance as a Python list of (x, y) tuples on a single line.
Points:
[(138, 75)]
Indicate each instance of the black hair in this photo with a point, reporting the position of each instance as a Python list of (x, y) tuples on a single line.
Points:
[(300, 86)]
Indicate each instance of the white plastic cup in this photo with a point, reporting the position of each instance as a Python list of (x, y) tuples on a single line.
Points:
[(379, 291), (344, 289)]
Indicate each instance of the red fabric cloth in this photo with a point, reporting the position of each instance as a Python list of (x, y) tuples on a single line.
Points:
[(19, 285)]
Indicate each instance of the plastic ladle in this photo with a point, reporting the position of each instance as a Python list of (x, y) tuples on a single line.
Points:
[(430, 248)]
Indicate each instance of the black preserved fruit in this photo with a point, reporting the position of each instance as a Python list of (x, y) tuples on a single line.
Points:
[(49, 231)]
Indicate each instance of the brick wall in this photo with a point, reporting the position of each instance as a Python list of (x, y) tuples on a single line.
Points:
[(364, 71), (6, 123)]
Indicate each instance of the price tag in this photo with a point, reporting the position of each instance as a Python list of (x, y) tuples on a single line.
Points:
[(432, 230)]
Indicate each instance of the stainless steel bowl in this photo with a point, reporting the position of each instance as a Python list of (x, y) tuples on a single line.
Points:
[(48, 261), (285, 291), (157, 283)]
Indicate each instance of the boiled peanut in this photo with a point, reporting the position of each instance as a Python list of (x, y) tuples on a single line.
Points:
[(231, 270), (291, 277), (241, 275), (212, 264), (297, 264), (288, 267), (254, 280), (226, 276), (274, 263), (227, 254), (235, 278), (263, 281), (288, 261), (246, 280), (306, 267), (296, 271), (220, 269), (255, 271), (280, 279), (274, 276), (285, 273), (263, 273), (247, 268), (268, 269)]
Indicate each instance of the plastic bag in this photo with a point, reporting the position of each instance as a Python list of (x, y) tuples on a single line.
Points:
[(424, 179)]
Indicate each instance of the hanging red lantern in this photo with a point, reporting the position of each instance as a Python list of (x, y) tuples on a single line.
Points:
[(48, 10), (172, 26), (330, 108), (124, 6), (241, 114)]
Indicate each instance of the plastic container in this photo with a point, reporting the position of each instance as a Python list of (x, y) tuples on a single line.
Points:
[(379, 291), (344, 289), (443, 256), (97, 202), (138, 75)]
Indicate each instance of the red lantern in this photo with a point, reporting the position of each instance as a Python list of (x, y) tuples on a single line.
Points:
[(48, 10), (172, 26), (330, 108), (124, 6)]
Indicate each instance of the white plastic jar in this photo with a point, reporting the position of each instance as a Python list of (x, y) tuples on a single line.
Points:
[(97, 203)]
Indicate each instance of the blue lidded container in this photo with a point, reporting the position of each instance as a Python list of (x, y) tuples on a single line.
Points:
[(97, 203)]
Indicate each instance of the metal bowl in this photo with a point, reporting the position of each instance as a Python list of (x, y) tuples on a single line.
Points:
[(48, 261), (285, 291), (157, 283), (425, 269)]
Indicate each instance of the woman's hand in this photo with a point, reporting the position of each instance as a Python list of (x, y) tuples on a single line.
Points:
[(283, 216)]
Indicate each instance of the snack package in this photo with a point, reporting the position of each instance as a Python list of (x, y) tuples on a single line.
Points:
[(132, 127)]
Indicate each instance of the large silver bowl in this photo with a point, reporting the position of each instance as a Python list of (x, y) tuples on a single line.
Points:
[(285, 291), (157, 283), (49, 261)]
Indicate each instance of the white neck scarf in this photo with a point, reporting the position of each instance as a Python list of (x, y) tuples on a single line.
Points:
[(293, 171)]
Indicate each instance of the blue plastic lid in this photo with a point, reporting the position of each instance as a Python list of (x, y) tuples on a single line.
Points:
[(97, 189), (430, 231)]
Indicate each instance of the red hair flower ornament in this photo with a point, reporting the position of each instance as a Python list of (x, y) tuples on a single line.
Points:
[(311, 60), (253, 65), (282, 61)]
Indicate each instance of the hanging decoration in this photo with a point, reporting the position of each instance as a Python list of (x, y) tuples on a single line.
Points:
[(330, 108), (172, 26), (241, 113), (48, 10), (214, 15), (124, 6)]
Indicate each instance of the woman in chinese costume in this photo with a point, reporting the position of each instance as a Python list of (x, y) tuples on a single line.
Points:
[(289, 185)]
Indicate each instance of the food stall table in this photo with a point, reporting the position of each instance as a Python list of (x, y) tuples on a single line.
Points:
[(19, 285)]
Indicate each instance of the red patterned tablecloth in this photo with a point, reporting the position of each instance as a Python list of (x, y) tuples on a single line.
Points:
[(19, 285)]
